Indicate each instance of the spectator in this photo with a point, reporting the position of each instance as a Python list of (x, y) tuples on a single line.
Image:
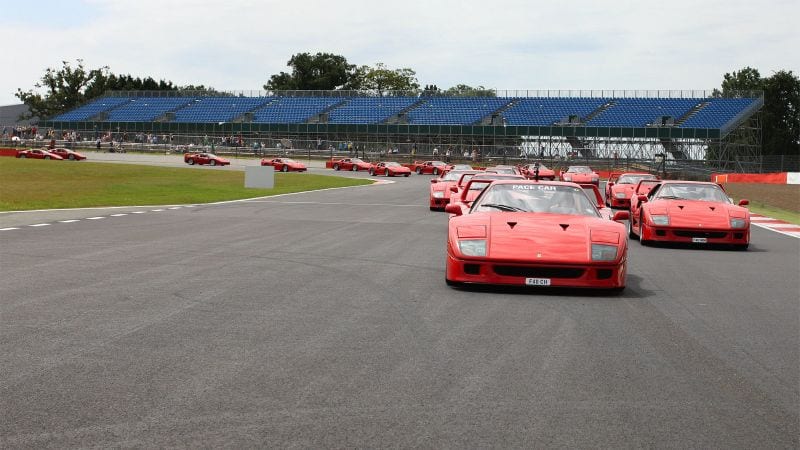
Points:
[(435, 151)]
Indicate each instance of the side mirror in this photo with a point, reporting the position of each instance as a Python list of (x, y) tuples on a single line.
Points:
[(619, 216), (453, 208), (434, 180), (453, 188), (744, 202), (610, 183), (642, 198)]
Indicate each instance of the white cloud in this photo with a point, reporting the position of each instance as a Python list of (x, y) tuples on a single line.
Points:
[(579, 44)]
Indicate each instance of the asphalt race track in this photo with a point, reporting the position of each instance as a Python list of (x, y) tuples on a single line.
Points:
[(322, 320)]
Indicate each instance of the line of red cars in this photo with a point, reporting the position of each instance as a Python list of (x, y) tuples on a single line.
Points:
[(57, 154), (539, 232)]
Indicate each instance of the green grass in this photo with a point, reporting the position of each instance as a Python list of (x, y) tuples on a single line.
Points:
[(37, 184), (775, 213)]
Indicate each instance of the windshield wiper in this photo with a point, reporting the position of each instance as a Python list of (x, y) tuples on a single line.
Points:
[(502, 207), (672, 197)]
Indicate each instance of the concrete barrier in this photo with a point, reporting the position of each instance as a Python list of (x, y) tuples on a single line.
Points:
[(8, 152), (759, 178)]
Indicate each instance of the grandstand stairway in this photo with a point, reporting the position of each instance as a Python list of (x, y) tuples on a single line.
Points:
[(102, 116), (675, 149), (248, 116), (496, 117), (680, 120), (322, 116), (402, 116), (599, 111), (580, 146), (169, 116)]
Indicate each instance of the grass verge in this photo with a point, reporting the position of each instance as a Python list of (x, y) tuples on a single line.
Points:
[(775, 213), (38, 184)]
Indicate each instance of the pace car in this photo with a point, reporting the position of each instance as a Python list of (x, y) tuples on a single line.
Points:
[(580, 174), (535, 233), (691, 212), (620, 186), (205, 158), (37, 153), (390, 169), (284, 164), (354, 164)]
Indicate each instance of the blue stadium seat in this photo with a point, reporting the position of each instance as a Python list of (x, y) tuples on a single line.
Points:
[(93, 108)]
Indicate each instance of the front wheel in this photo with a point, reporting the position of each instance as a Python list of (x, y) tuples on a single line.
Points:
[(355, 168), (407, 174), (212, 162), (642, 240), (371, 172), (285, 169), (435, 171), (72, 157), (46, 157), (631, 234), (190, 161), (419, 171), (335, 167), (22, 156)]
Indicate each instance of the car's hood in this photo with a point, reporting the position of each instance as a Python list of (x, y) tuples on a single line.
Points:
[(696, 213), (580, 176), (442, 186), (546, 238), (626, 188)]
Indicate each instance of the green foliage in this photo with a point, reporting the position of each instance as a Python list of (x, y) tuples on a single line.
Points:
[(381, 79), (741, 83), (319, 72), (463, 90), (782, 114)]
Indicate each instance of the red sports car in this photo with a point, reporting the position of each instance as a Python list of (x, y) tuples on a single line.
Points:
[(37, 153), (620, 186), (353, 164), (580, 174), (473, 185), (68, 154), (430, 167), (535, 233), (529, 170), (691, 212), (507, 170), (641, 190), (440, 188), (390, 169), (284, 164), (593, 192), (204, 158)]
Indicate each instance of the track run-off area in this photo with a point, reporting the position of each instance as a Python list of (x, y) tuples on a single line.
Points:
[(322, 319)]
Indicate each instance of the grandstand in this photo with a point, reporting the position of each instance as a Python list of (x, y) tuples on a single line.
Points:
[(593, 124)]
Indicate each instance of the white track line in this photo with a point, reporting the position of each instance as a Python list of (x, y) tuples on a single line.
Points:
[(118, 215), (156, 210), (792, 234), (175, 207), (95, 218), (335, 203), (9, 229), (40, 225), (138, 212), (69, 221)]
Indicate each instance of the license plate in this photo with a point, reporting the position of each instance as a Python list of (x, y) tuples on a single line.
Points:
[(537, 281), (697, 240)]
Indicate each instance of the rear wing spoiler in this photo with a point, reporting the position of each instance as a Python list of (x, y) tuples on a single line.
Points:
[(645, 182), (598, 197)]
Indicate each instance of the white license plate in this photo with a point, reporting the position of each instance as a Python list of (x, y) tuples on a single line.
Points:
[(537, 281), (697, 240)]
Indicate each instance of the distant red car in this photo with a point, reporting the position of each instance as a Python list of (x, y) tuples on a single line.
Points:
[(390, 169), (507, 170), (353, 164), (690, 212), (284, 164), (529, 171), (620, 186), (465, 195), (430, 167), (36, 153), (580, 174), (204, 158), (440, 188), (68, 154), (538, 234)]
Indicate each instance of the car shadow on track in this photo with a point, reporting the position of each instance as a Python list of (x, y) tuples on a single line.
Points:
[(704, 247), (633, 289)]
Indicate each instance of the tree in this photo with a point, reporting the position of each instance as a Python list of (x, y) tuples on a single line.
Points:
[(463, 90), (381, 79), (319, 72), (781, 114), (65, 89), (741, 83)]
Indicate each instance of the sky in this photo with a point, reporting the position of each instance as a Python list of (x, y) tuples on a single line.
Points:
[(500, 44)]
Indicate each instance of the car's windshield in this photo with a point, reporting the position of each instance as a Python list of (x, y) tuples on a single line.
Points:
[(693, 191), (479, 184), (356, 160), (438, 163), (532, 167), (579, 169), (452, 176), (391, 164), (633, 179), (507, 170), (540, 198), (209, 155), (462, 167), (287, 160)]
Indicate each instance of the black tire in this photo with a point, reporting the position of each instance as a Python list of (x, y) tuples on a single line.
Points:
[(387, 173), (71, 157), (435, 171), (641, 232), (46, 157), (22, 156), (419, 170), (433, 208), (190, 161), (741, 247), (335, 167), (285, 168), (355, 168), (453, 284), (212, 162), (631, 234)]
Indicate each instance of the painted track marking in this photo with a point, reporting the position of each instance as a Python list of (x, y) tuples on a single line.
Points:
[(40, 225), (69, 221)]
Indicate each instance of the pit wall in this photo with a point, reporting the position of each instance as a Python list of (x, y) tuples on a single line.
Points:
[(760, 178)]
